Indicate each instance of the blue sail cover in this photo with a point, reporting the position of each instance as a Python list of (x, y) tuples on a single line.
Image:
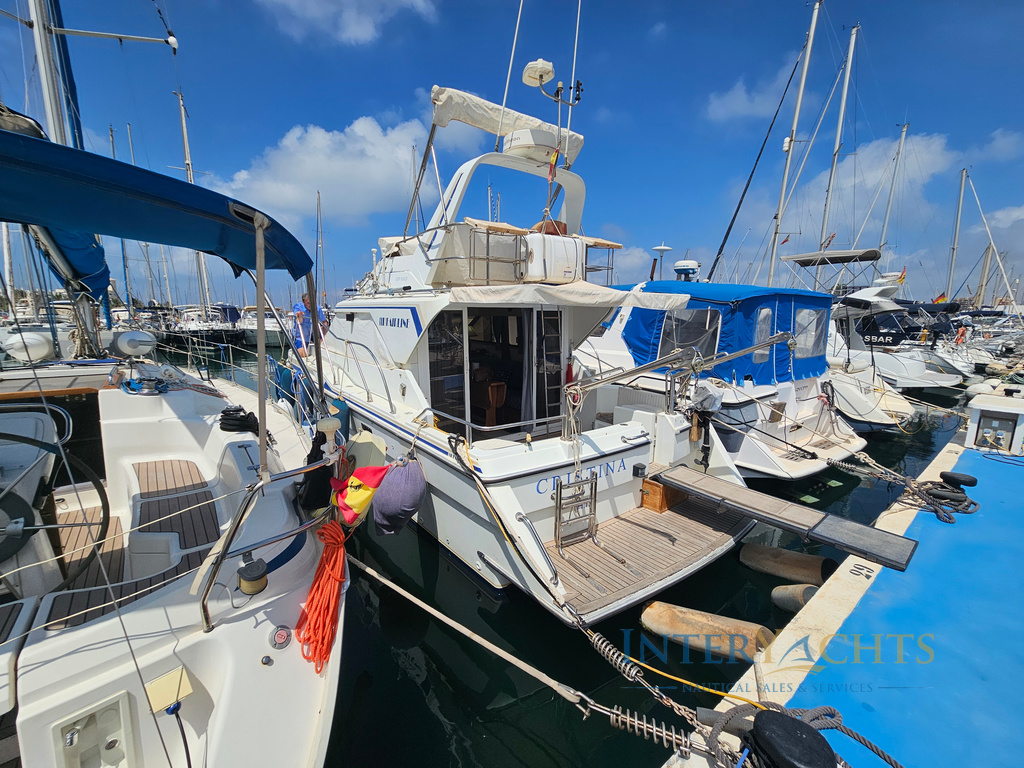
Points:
[(740, 306), (59, 188)]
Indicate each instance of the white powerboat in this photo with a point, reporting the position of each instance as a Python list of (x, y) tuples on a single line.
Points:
[(275, 334), (588, 495), (864, 398), (900, 370)]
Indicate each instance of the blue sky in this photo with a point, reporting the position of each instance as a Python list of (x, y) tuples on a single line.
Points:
[(286, 97)]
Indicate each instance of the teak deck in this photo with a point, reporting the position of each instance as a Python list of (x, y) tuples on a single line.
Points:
[(168, 477), (655, 546), (78, 538), (166, 488)]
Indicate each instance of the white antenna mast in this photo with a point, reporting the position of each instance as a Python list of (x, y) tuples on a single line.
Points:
[(508, 78), (575, 48)]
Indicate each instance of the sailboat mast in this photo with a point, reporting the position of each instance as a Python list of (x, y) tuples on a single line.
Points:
[(956, 235), (39, 13), (892, 191), (787, 146), (320, 248), (145, 246), (124, 250), (986, 267), (167, 283), (5, 231), (204, 280), (835, 149)]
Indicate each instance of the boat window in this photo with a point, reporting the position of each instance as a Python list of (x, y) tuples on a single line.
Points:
[(685, 328), (605, 324), (498, 366), (445, 344), (810, 332), (763, 333)]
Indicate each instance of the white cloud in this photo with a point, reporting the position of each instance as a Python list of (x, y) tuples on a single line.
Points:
[(632, 265), (1002, 145), (759, 101), (353, 22), (614, 232), (362, 170), (658, 30), (864, 179), (1005, 217)]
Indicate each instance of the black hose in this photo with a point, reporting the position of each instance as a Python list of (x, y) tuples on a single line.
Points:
[(175, 709)]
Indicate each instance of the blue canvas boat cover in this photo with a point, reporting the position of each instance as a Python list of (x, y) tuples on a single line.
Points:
[(803, 313), (60, 188)]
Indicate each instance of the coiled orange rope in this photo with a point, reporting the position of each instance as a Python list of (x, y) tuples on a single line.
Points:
[(318, 623)]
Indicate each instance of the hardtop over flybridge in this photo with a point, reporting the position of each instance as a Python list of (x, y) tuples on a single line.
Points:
[(458, 346)]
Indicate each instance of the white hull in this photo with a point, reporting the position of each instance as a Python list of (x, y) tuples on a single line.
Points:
[(86, 679), (867, 403), (456, 516), (275, 337)]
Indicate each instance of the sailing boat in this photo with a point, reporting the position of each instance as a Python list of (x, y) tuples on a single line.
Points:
[(149, 615), (124, 638)]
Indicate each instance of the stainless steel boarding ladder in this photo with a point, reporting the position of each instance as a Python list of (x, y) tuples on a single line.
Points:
[(576, 503)]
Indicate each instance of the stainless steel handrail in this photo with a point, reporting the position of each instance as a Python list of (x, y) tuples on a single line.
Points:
[(304, 382), (253, 491), (522, 518), (311, 523), (679, 360), (418, 419), (380, 370)]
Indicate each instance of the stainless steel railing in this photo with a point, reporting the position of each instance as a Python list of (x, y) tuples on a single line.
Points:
[(418, 419), (253, 492), (359, 369)]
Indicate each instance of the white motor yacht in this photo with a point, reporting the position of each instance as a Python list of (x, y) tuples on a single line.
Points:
[(275, 334), (900, 370), (588, 495)]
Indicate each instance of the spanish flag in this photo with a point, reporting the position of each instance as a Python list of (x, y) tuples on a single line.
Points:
[(902, 277), (551, 166), (352, 497), (940, 298)]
